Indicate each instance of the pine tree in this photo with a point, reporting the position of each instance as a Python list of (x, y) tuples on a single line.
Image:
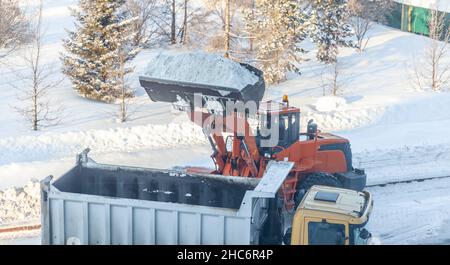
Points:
[(91, 60), (276, 28), (329, 28)]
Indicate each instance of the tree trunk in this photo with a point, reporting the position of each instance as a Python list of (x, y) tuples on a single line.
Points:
[(185, 24), (35, 111), (227, 28), (173, 35), (251, 37), (123, 103)]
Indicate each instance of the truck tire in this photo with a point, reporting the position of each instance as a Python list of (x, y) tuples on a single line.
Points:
[(313, 179)]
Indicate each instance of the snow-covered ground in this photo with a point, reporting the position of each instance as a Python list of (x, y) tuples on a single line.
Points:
[(413, 213), (397, 132)]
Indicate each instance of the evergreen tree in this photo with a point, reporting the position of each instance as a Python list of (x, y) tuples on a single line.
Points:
[(91, 58), (329, 28), (276, 28)]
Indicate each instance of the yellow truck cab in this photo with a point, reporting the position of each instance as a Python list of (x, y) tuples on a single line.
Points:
[(331, 216)]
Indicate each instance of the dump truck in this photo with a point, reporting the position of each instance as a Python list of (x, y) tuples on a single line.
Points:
[(100, 204), (253, 195)]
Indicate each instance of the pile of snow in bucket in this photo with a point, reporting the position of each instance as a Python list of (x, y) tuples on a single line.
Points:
[(327, 104), (200, 68), (20, 204)]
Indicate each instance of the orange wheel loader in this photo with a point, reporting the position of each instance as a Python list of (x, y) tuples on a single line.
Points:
[(238, 150)]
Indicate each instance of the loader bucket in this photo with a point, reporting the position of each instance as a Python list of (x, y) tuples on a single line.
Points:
[(170, 91)]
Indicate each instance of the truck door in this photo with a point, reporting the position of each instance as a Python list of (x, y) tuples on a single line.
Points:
[(325, 232)]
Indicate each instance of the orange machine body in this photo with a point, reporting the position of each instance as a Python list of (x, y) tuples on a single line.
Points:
[(245, 158)]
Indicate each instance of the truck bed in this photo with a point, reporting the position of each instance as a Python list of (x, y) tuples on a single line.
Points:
[(108, 204)]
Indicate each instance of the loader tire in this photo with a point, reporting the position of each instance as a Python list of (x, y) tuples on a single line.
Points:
[(314, 179)]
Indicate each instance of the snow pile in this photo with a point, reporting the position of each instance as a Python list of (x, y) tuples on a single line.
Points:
[(327, 104), (20, 203), (341, 120), (58, 145), (200, 68)]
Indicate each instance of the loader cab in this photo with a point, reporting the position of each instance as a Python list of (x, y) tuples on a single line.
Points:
[(284, 118), (331, 216)]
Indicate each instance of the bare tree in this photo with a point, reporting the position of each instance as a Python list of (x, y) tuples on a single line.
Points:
[(364, 14), (229, 26), (144, 11), (14, 27), (124, 90), (432, 70), (184, 29), (169, 20), (37, 108), (332, 81), (194, 19)]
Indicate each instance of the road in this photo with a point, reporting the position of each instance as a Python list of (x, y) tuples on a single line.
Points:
[(412, 213)]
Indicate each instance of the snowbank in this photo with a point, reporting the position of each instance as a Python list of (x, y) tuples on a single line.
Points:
[(58, 145), (326, 104), (20, 204), (201, 68)]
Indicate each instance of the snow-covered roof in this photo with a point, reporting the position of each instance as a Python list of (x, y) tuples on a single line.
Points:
[(441, 5)]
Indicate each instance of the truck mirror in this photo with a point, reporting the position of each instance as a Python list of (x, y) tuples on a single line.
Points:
[(364, 234), (287, 237)]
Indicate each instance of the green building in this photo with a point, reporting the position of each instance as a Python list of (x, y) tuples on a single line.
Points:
[(413, 15)]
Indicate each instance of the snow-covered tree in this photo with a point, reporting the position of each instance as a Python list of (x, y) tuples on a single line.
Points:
[(329, 28), (277, 29), (14, 27), (91, 63)]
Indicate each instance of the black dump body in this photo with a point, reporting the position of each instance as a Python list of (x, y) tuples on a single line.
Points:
[(170, 91), (155, 185)]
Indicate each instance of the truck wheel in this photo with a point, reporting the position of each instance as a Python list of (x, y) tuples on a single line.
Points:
[(313, 179)]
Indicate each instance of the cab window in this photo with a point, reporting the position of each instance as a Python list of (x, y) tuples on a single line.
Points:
[(323, 233), (284, 127)]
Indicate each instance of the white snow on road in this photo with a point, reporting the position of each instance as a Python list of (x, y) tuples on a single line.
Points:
[(414, 213), (21, 238), (404, 163)]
